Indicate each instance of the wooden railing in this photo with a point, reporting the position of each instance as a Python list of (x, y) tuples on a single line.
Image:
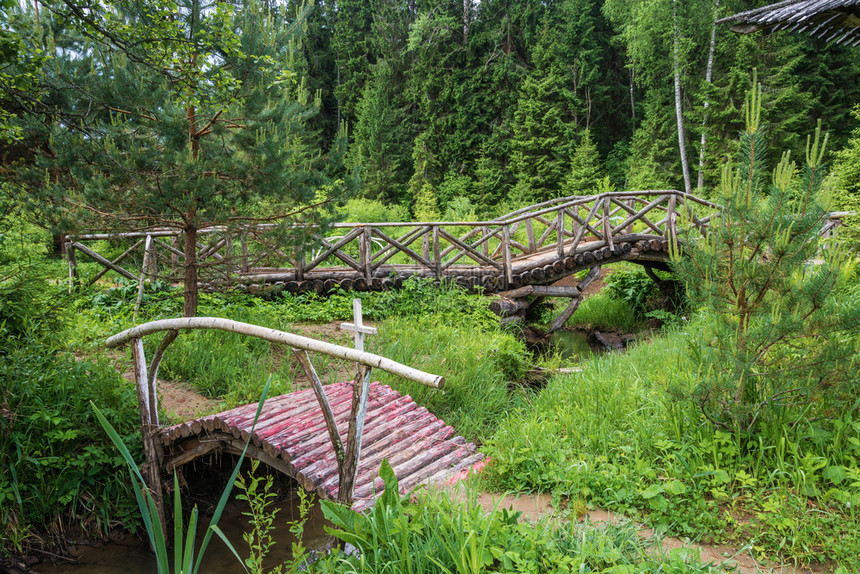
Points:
[(373, 255)]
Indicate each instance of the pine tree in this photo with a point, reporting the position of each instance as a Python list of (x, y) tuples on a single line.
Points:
[(780, 334), (186, 118)]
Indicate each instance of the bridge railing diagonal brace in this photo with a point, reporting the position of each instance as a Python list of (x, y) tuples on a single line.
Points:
[(637, 215), (402, 247), (386, 253)]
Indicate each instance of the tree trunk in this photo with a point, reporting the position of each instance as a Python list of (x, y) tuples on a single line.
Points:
[(467, 20), (190, 278), (708, 75), (679, 114)]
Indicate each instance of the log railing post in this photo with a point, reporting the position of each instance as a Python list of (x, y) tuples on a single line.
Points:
[(357, 415), (631, 203), (506, 253), (607, 225), (437, 259), (147, 403), (365, 243), (147, 255), (299, 263), (73, 266), (559, 228), (530, 234), (174, 256), (485, 242), (671, 223), (244, 260)]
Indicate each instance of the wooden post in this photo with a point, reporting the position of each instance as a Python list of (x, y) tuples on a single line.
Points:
[(358, 413), (244, 240), (631, 203), (559, 228), (147, 252), (671, 224), (531, 236), (147, 403), (506, 252), (607, 225), (174, 256), (299, 262), (73, 266), (486, 242), (437, 259), (328, 415), (366, 246)]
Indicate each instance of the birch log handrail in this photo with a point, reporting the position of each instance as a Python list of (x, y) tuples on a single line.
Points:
[(275, 336)]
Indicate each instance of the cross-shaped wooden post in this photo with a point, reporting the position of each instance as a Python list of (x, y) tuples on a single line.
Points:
[(358, 327), (348, 470)]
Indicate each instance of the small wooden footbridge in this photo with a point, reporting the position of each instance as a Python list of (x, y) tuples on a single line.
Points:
[(330, 438)]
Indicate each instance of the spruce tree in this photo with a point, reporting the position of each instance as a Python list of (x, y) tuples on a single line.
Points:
[(585, 168), (543, 126)]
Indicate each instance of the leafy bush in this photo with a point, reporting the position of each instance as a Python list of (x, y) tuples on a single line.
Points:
[(634, 288), (58, 467)]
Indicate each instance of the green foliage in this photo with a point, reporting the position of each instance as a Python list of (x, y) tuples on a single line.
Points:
[(438, 534), (604, 312), (183, 549), (585, 170), (785, 342), (634, 288), (614, 436), (360, 210), (846, 195), (478, 366), (257, 492), (57, 468)]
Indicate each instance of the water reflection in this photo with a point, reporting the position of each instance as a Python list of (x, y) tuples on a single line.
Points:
[(132, 556)]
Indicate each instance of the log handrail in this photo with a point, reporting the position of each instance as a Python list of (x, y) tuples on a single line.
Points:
[(275, 336)]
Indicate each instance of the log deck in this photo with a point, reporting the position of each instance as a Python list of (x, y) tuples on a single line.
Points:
[(290, 436)]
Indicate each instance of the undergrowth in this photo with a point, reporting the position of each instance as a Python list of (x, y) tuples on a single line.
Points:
[(616, 436)]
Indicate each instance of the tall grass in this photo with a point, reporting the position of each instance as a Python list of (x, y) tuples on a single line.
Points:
[(601, 311), (623, 434), (479, 367)]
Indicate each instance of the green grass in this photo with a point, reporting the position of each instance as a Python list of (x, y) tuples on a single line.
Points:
[(621, 435), (601, 311), (435, 533)]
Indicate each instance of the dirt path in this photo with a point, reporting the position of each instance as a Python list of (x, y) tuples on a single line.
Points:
[(537, 507)]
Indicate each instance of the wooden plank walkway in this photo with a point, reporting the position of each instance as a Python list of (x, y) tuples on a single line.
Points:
[(291, 436)]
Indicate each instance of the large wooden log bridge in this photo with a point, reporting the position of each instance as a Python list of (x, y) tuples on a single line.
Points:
[(534, 246), (330, 438)]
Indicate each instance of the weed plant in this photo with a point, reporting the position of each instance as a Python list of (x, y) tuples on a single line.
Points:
[(435, 533)]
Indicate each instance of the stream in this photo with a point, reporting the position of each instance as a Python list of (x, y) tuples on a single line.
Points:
[(130, 555)]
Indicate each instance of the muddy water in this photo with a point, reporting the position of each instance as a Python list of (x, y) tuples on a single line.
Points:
[(132, 556), (571, 345)]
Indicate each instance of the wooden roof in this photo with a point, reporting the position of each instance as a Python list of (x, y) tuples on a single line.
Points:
[(291, 436), (831, 20)]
